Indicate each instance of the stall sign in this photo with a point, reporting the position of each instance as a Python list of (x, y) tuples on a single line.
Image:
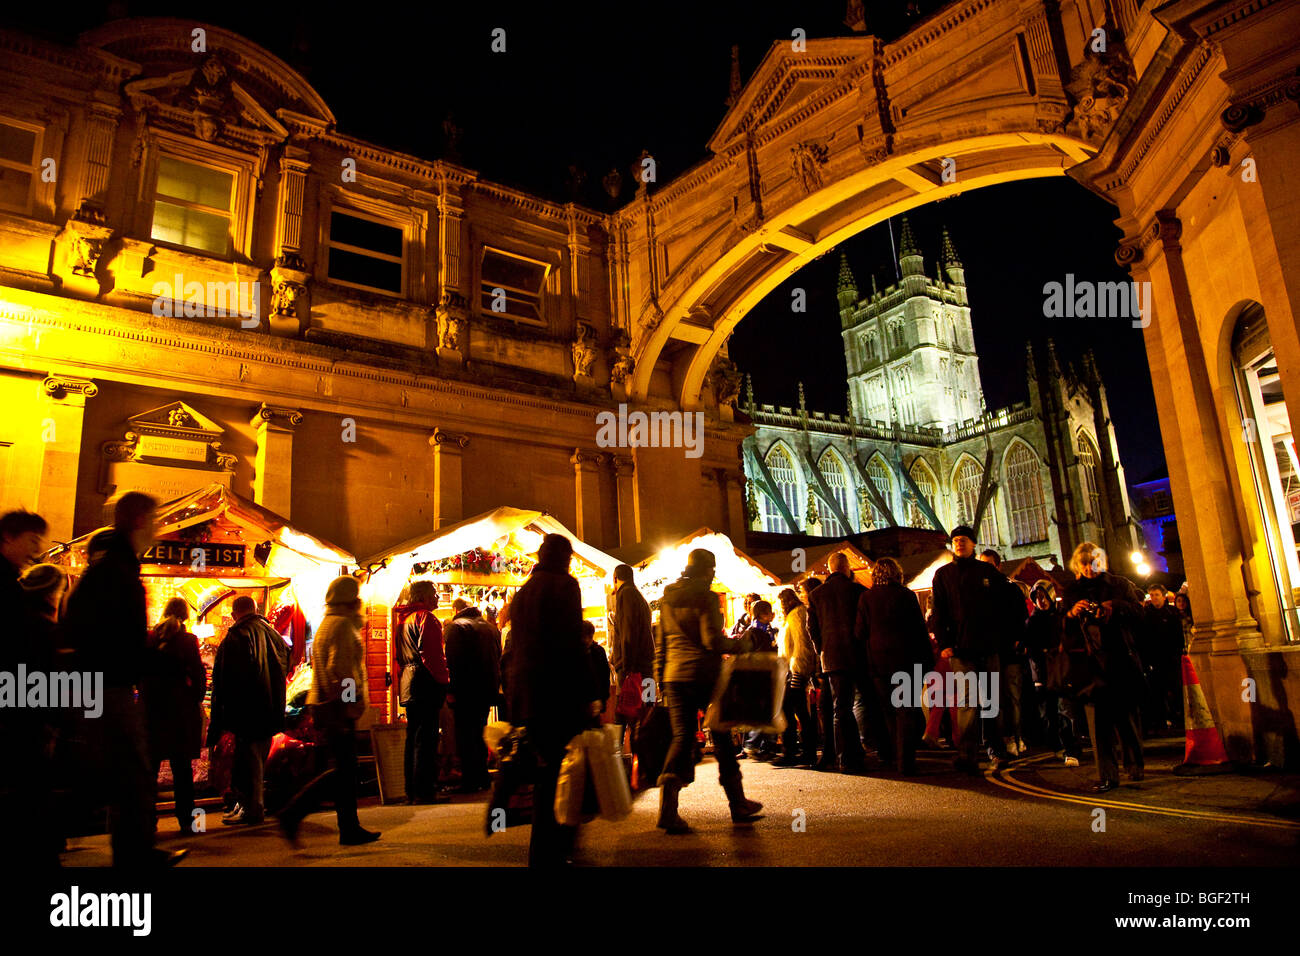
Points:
[(196, 554)]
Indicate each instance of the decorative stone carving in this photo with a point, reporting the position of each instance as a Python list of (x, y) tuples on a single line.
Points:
[(1099, 87), (60, 386), (726, 380), (440, 437), (751, 501), (812, 515), (168, 451), (79, 247), (1128, 254), (290, 311), (584, 354), (452, 316), (278, 415), (806, 160), (621, 365)]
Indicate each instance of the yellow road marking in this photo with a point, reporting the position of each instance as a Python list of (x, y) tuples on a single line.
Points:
[(1004, 779)]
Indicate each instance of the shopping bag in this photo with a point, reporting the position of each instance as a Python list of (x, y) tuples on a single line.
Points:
[(749, 694), (653, 738), (605, 764), (629, 696), (571, 785), (516, 776)]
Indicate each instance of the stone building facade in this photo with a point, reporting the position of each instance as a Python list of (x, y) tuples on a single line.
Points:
[(919, 449), (201, 280)]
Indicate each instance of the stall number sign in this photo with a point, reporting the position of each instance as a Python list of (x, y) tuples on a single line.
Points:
[(196, 555)]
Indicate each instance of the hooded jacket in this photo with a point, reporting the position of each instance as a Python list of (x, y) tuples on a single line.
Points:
[(338, 654), (248, 682), (692, 640)]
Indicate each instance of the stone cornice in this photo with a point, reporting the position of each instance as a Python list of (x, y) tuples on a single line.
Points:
[(932, 30)]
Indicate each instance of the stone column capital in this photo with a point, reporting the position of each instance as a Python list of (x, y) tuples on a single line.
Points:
[(63, 386), (586, 460), (623, 465), (276, 416), (443, 440)]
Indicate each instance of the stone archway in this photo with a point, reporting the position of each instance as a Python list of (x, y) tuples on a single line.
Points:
[(826, 142)]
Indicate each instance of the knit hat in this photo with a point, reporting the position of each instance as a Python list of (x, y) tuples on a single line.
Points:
[(42, 580), (343, 590), (701, 559), (964, 530)]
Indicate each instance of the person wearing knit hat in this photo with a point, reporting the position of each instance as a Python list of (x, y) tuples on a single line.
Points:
[(962, 531), (44, 584), (337, 699)]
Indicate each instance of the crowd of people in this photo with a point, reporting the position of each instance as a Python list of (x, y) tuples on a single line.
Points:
[(1100, 657)]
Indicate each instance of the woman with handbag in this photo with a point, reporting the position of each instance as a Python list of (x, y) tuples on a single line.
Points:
[(337, 698), (1101, 612)]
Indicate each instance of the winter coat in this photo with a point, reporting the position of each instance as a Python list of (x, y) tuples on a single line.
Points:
[(760, 638), (970, 608), (832, 620), (473, 649), (107, 622), (797, 643), (1111, 643), (339, 654), (631, 644), (892, 629), (692, 640), (1042, 637), (415, 682), (1162, 634), (172, 690), (248, 682), (549, 674), (599, 673)]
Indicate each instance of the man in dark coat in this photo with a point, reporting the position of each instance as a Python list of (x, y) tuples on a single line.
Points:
[(891, 627), (248, 685), (1162, 653), (688, 661), (473, 648), (631, 639), (969, 614), (107, 625), (548, 683), (832, 618), (422, 689)]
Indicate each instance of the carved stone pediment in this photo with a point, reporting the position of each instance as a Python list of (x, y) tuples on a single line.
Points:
[(167, 451), (208, 98)]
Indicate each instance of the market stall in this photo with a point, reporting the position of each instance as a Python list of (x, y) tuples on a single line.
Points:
[(214, 546), (736, 574), (483, 560), (791, 567)]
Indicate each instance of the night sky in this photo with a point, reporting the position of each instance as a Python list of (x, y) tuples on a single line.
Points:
[(590, 85)]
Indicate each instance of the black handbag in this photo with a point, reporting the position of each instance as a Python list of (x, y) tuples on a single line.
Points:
[(518, 771)]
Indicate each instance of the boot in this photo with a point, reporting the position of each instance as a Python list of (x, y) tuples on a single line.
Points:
[(670, 786), (742, 810)]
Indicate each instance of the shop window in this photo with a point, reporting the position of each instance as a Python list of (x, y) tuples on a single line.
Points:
[(365, 253), (511, 285), (18, 165), (192, 206), (1276, 471)]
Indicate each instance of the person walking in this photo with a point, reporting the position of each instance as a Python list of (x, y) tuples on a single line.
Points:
[(423, 685), (108, 629), (248, 687), (1162, 652), (832, 618), (968, 612), (799, 749), (631, 647), (549, 685), (1056, 711), (688, 661), (1103, 613), (760, 638), (1004, 733), (338, 698), (473, 648), (891, 627), (171, 692)]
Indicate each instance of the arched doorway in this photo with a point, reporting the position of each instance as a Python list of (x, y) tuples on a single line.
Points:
[(1275, 470)]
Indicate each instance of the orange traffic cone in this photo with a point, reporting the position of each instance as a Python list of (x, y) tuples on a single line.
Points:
[(1205, 753)]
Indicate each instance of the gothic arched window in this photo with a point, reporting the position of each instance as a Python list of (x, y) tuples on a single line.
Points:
[(781, 467), (1088, 459), (966, 489), (833, 473), (923, 478), (879, 474), (1025, 491)]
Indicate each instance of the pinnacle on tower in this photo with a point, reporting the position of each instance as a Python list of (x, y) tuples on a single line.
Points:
[(909, 256), (951, 264), (846, 280), (734, 87)]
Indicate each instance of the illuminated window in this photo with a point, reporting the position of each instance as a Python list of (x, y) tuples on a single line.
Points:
[(18, 146), (878, 472), (1088, 457), (1025, 488), (966, 488), (192, 206), (365, 252), (511, 285), (923, 478), (781, 467), (833, 473)]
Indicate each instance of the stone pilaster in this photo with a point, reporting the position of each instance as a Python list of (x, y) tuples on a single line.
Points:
[(448, 490), (273, 466), (451, 212), (586, 486), (293, 185), (64, 408), (102, 120), (629, 508)]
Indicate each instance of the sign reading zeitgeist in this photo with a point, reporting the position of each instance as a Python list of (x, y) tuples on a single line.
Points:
[(196, 554)]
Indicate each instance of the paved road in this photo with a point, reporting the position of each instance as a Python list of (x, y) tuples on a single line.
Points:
[(938, 818)]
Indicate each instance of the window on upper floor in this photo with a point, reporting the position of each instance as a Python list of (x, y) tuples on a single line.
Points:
[(365, 252), (511, 285), (1162, 502), (192, 205), (18, 165)]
